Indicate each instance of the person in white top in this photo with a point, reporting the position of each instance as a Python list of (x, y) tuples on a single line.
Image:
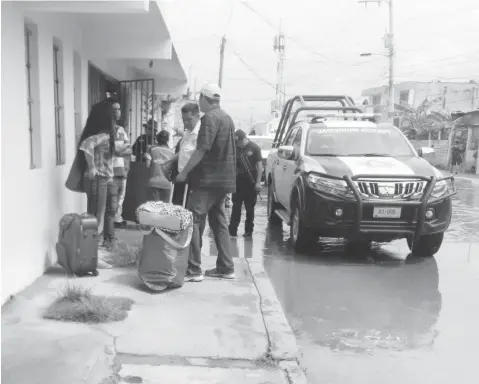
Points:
[(190, 114)]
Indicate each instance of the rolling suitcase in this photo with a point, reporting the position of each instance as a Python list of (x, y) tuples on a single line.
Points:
[(77, 246)]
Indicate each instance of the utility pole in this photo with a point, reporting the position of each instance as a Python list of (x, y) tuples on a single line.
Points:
[(279, 49), (222, 59), (389, 40)]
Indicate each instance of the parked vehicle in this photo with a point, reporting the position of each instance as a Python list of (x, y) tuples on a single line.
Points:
[(335, 172)]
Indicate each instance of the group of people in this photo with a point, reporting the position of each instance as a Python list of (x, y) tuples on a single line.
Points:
[(211, 161)]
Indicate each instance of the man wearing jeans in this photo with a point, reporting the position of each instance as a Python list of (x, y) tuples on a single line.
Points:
[(211, 174)]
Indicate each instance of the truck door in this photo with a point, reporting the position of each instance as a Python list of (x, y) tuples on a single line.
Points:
[(289, 169), (281, 166)]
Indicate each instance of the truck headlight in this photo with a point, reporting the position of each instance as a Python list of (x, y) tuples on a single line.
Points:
[(330, 186), (442, 188)]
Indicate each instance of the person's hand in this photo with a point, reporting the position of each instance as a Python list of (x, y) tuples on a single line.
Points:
[(92, 173), (257, 187), (181, 178)]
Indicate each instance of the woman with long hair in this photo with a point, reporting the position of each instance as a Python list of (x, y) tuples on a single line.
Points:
[(97, 148)]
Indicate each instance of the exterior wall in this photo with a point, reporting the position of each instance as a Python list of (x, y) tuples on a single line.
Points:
[(459, 96), (33, 200)]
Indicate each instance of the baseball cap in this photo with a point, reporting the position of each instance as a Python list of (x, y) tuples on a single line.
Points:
[(213, 91), (240, 134)]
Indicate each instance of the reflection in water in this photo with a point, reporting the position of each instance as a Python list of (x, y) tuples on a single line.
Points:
[(388, 304)]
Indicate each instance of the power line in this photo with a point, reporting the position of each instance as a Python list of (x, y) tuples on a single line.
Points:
[(253, 71)]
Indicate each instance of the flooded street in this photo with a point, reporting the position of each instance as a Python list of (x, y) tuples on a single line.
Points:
[(380, 316)]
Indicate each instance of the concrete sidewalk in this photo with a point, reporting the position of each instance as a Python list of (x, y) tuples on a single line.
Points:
[(215, 331)]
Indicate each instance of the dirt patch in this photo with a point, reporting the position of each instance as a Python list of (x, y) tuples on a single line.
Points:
[(78, 304)]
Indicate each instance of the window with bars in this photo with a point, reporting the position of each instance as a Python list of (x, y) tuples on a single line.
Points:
[(58, 103), (28, 64), (32, 95), (77, 95)]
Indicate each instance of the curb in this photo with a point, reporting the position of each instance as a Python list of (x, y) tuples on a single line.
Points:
[(283, 344), (99, 366)]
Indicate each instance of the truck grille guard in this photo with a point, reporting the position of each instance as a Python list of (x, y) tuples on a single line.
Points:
[(365, 189)]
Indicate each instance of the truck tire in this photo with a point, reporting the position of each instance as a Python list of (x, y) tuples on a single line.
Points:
[(302, 238), (426, 245), (273, 218)]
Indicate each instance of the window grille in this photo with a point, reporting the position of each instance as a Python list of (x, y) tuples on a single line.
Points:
[(28, 65), (57, 105)]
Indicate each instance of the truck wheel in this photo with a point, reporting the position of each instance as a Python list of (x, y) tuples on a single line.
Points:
[(273, 218), (426, 245), (302, 237)]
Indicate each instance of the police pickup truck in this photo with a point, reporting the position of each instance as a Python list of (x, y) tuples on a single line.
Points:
[(335, 172)]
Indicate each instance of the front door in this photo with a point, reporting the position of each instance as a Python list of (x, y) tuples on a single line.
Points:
[(281, 183), (138, 105), (290, 170)]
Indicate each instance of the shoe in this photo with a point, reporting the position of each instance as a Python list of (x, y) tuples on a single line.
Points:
[(120, 225), (248, 234), (214, 273), (194, 278), (233, 233)]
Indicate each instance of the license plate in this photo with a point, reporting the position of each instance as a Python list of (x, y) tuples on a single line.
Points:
[(386, 213)]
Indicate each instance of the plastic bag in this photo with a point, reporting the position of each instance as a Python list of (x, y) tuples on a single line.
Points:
[(164, 259)]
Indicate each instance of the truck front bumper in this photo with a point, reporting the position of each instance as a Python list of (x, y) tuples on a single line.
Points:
[(333, 216)]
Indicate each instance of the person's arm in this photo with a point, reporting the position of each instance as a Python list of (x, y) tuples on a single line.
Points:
[(259, 167), (88, 147), (206, 137), (259, 172)]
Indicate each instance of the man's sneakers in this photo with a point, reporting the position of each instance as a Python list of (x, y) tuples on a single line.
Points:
[(233, 233), (248, 234), (199, 277), (221, 275), (194, 278)]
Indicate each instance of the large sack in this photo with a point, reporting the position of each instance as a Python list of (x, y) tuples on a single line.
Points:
[(164, 259)]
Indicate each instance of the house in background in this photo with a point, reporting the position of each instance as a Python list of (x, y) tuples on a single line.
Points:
[(439, 96), (58, 58)]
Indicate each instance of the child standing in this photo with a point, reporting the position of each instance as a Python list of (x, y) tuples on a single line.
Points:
[(158, 161)]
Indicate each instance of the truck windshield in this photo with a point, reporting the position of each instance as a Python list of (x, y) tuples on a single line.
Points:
[(357, 142)]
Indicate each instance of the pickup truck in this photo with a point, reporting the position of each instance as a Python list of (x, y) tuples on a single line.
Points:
[(335, 172)]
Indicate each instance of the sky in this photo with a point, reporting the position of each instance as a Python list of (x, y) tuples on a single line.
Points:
[(434, 39)]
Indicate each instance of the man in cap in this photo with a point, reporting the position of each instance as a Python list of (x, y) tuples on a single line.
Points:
[(211, 175), (249, 169)]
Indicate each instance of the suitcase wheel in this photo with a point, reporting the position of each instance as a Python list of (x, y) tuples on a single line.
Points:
[(95, 273), (80, 274)]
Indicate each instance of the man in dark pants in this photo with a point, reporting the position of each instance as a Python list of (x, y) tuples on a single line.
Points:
[(211, 174), (249, 168)]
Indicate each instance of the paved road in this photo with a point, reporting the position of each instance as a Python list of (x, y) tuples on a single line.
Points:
[(381, 317)]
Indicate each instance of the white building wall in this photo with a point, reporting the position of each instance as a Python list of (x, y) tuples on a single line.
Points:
[(33, 200)]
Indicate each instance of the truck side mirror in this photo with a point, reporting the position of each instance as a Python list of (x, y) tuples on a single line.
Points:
[(286, 152), (419, 152)]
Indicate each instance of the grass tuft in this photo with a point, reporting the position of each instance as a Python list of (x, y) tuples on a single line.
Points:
[(78, 304), (123, 254)]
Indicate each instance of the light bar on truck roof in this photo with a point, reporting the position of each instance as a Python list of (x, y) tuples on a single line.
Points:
[(344, 116)]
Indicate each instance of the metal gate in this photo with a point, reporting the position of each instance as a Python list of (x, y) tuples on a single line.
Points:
[(137, 99)]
